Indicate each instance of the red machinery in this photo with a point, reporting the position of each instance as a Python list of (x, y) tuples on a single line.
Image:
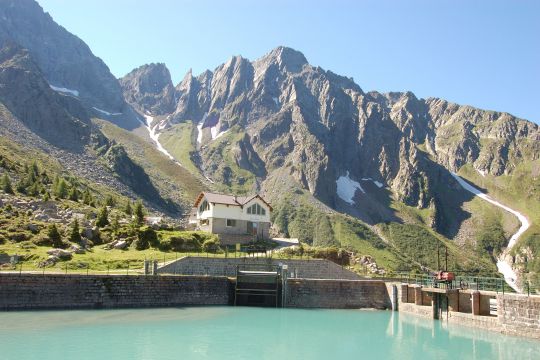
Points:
[(445, 276)]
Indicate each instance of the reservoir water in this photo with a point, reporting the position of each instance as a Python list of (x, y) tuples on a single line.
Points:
[(247, 333)]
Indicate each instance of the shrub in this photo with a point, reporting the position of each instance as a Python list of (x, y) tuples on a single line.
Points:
[(42, 240), (182, 242), (6, 184), (211, 245), (146, 237), (103, 217), (18, 236)]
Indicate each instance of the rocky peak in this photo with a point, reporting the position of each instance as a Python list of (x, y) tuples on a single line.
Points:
[(65, 60), (149, 88), (287, 59), (24, 91)]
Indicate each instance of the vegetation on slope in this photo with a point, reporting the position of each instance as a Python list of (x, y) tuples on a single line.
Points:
[(174, 181)]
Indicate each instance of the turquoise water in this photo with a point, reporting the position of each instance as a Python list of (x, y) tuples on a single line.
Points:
[(246, 333)]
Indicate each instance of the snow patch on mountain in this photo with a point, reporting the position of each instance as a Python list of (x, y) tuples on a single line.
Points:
[(65, 90), (346, 188), (199, 128), (377, 183), (106, 112), (155, 137), (503, 267)]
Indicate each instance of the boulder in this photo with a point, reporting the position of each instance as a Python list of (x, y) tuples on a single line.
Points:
[(51, 260), (76, 249), (121, 244), (60, 253), (33, 228), (41, 217)]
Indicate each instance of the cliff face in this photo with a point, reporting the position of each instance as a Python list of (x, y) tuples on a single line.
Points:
[(149, 89), (281, 112)]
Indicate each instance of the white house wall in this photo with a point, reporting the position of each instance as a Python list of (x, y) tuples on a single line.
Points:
[(235, 212)]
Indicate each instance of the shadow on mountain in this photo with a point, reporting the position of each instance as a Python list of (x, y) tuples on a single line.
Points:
[(134, 176)]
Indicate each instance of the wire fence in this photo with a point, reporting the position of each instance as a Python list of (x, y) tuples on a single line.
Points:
[(136, 266)]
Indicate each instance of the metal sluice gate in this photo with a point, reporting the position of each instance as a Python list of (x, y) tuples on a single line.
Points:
[(260, 285)]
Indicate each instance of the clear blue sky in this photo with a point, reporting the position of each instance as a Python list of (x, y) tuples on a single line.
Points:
[(482, 53)]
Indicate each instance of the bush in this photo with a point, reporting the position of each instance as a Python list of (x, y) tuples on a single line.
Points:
[(42, 240), (103, 217), (211, 245), (18, 236), (146, 237), (182, 242)]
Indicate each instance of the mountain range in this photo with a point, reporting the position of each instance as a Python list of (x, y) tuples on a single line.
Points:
[(373, 172)]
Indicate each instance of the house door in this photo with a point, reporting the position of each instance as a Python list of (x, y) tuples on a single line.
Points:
[(252, 228)]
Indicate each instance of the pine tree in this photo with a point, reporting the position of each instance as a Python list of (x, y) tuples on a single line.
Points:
[(54, 236), (75, 235), (103, 217), (34, 169), (109, 201), (73, 194), (87, 197), (61, 190), (128, 210), (6, 184), (139, 213), (115, 225)]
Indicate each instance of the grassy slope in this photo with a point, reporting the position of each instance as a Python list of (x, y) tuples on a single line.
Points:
[(174, 181), (520, 191), (220, 155), (178, 140)]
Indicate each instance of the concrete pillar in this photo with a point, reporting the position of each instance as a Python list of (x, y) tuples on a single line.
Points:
[(404, 293), (484, 305), (435, 305), (418, 295), (453, 300), (475, 302), (154, 268), (146, 267), (394, 298)]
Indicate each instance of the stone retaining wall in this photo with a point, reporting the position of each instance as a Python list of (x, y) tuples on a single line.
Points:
[(516, 314), (33, 291), (307, 269), (519, 314), (337, 294)]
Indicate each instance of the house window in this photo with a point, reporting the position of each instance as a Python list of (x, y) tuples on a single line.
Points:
[(204, 206), (204, 222), (231, 223), (256, 209)]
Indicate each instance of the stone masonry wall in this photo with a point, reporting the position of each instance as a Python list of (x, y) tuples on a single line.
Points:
[(33, 291), (519, 314), (337, 294), (308, 269)]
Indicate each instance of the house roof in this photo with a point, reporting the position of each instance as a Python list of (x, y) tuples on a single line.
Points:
[(228, 199)]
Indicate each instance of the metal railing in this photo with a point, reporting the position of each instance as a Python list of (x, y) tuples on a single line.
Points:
[(467, 282)]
